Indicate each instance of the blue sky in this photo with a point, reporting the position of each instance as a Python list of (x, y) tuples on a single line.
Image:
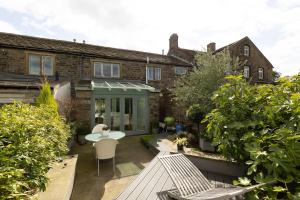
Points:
[(273, 25)]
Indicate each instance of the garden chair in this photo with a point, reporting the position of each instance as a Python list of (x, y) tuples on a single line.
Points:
[(99, 128), (190, 183), (106, 149)]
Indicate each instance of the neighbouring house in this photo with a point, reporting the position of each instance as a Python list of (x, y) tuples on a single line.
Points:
[(255, 66), (125, 89)]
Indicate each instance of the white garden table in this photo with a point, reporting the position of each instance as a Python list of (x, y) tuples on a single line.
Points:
[(94, 137)]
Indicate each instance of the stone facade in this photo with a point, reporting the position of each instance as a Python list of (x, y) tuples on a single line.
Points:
[(76, 68), (73, 62), (254, 60)]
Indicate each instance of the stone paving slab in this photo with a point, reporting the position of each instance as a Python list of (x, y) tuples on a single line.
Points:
[(61, 179)]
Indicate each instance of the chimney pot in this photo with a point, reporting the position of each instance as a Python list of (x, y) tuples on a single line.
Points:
[(173, 41), (211, 47)]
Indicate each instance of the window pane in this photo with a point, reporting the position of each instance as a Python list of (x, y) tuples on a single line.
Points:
[(157, 74), (34, 64), (107, 69), (180, 70), (128, 116), (100, 111), (97, 68), (246, 50), (260, 73), (246, 71), (115, 114), (150, 73), (48, 65), (116, 70), (141, 112)]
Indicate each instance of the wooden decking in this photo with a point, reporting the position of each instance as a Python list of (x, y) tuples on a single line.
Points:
[(154, 179)]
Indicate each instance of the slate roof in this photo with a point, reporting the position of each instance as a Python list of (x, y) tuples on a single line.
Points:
[(231, 44), (59, 46)]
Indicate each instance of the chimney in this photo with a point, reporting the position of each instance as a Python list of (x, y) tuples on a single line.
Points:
[(173, 41), (211, 47)]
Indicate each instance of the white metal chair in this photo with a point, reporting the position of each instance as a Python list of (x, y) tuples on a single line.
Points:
[(191, 184), (106, 149), (99, 127)]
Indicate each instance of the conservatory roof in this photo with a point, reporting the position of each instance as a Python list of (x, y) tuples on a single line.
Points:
[(124, 85)]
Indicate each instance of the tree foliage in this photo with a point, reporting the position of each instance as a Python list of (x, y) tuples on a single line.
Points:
[(207, 75), (260, 125), (30, 139)]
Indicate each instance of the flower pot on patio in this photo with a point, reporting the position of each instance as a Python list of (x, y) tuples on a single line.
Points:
[(81, 139), (179, 147), (206, 145)]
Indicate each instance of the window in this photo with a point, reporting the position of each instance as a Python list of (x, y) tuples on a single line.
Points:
[(260, 73), (41, 65), (109, 70), (246, 71), (246, 50), (153, 73), (180, 70)]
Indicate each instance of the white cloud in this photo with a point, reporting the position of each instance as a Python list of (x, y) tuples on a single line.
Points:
[(147, 25), (6, 27)]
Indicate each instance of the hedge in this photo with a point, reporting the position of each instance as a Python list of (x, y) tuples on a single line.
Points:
[(31, 138)]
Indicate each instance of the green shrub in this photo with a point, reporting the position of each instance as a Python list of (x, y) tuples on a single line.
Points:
[(46, 97), (260, 125), (169, 121), (30, 138)]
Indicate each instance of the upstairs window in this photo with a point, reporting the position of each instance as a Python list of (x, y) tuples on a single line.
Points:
[(246, 71), (153, 73), (180, 70), (246, 50), (106, 70), (260, 73), (40, 65)]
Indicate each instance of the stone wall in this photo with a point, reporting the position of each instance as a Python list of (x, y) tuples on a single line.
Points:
[(74, 68), (255, 60)]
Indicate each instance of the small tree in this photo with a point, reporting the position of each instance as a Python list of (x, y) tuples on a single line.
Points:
[(207, 75), (46, 97), (195, 114)]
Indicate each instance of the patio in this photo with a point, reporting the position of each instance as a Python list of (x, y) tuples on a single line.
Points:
[(131, 158)]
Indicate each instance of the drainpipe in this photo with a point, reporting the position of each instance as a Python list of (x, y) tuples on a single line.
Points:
[(147, 70)]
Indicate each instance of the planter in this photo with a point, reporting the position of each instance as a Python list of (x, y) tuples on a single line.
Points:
[(81, 139), (155, 131), (179, 147), (206, 145)]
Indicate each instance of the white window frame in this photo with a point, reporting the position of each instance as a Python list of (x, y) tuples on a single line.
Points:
[(246, 50), (180, 70), (42, 67), (246, 71), (156, 73), (260, 73), (111, 70)]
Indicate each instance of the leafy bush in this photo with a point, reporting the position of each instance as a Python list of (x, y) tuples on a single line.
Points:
[(30, 138), (169, 121), (259, 125)]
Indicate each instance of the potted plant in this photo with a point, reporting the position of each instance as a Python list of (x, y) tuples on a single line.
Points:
[(154, 127), (169, 121), (81, 131), (180, 143)]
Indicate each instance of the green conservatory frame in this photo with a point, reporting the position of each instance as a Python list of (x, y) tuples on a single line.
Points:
[(122, 90)]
